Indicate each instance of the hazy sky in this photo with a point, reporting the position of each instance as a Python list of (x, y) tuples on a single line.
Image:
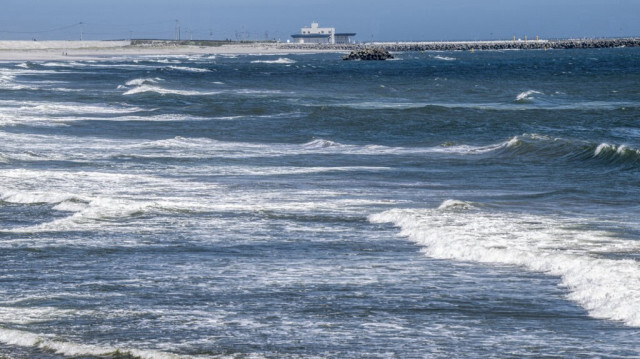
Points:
[(397, 20)]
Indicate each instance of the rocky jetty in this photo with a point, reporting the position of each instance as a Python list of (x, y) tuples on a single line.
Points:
[(470, 45), (375, 54)]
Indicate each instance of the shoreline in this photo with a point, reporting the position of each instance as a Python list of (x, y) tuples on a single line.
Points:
[(93, 50)]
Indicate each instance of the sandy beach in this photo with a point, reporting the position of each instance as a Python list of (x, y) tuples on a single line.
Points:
[(90, 50)]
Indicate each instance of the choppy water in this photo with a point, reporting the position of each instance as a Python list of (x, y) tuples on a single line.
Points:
[(441, 205)]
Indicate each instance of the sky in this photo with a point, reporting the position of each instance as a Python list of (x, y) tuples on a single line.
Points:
[(372, 20)]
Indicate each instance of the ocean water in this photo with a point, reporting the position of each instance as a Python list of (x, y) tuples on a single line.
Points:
[(447, 204)]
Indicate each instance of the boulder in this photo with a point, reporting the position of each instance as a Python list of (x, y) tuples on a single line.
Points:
[(375, 54)]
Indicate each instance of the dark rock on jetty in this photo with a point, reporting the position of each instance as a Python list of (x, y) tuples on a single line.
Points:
[(369, 54), (474, 45)]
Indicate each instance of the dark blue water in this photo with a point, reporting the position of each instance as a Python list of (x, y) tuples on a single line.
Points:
[(440, 205)]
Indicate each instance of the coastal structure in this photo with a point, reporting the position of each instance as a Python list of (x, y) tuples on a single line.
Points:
[(321, 35)]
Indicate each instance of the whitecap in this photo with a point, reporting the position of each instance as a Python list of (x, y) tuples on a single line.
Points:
[(35, 197), (142, 81), (164, 91), (68, 348), (606, 288), (52, 108), (189, 69), (454, 204), (444, 58), (61, 64), (602, 148), (167, 61), (281, 60), (321, 143), (617, 152), (527, 96)]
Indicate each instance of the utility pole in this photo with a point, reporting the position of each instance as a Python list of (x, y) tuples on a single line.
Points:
[(177, 31), (81, 30)]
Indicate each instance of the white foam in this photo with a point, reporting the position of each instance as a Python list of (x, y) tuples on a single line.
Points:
[(26, 109), (239, 149), (36, 197), (454, 204), (30, 315), (91, 214), (527, 95), (368, 105), (256, 92), (622, 150), (603, 147), (142, 81), (606, 288), (281, 60), (67, 348), (167, 61), (321, 143), (8, 81), (164, 91), (189, 69), (60, 64), (444, 58)]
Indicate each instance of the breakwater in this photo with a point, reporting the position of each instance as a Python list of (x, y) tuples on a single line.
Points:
[(476, 45)]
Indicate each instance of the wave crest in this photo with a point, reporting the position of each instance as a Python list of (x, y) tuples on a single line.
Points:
[(444, 58), (321, 143), (527, 96), (144, 88), (545, 147), (143, 81), (606, 288), (66, 348), (188, 69), (616, 154), (281, 60), (455, 205)]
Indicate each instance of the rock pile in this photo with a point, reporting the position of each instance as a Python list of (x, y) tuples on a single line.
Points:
[(369, 54), (360, 51)]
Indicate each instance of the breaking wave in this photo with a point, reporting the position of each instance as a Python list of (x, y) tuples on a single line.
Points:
[(454, 204), (143, 81), (617, 153), (527, 96), (147, 88), (606, 288), (548, 147), (67, 348), (281, 60), (444, 58), (188, 69)]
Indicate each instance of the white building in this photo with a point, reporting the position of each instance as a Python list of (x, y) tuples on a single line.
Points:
[(321, 35)]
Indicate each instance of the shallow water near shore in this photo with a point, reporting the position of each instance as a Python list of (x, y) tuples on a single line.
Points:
[(444, 204)]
